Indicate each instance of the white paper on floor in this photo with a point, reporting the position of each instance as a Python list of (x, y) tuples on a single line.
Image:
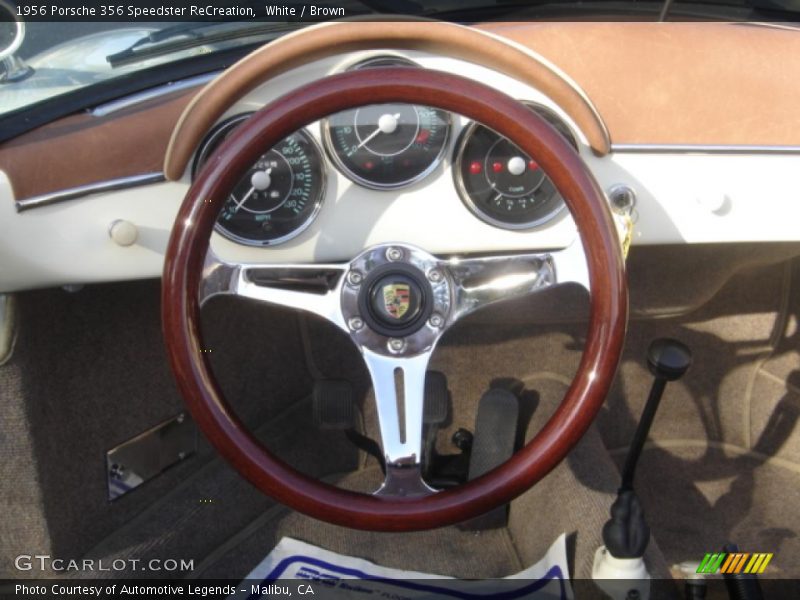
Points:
[(333, 575)]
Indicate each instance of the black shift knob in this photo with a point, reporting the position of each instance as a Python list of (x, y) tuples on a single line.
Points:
[(668, 359)]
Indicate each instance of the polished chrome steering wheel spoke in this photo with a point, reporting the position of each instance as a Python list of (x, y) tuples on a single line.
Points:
[(479, 282), (399, 384), (314, 288)]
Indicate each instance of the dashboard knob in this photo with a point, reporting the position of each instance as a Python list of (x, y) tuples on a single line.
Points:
[(123, 233), (716, 203)]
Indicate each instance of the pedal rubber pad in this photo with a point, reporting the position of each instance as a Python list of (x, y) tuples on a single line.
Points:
[(333, 404), (437, 399), (493, 444)]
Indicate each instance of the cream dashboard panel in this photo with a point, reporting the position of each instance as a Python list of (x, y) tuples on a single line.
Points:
[(683, 197)]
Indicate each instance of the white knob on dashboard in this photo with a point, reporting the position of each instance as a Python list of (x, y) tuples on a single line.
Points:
[(715, 202), (124, 233)]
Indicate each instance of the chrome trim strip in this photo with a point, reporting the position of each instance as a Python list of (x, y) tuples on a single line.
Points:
[(174, 86), (768, 25), (703, 149), (100, 187)]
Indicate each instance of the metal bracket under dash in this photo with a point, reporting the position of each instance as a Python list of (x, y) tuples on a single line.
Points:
[(141, 458)]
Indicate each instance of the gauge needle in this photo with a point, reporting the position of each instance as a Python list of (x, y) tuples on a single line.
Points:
[(244, 199), (386, 124)]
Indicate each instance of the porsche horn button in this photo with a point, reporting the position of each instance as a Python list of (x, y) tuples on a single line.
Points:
[(395, 300)]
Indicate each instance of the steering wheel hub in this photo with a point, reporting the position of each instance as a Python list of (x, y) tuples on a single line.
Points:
[(396, 300)]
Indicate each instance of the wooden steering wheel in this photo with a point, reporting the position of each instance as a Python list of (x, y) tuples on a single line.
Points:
[(441, 291)]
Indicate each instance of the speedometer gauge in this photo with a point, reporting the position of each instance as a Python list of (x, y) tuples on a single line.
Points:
[(501, 184), (387, 146), (280, 194)]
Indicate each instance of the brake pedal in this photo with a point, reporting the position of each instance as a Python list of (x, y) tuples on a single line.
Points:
[(493, 444)]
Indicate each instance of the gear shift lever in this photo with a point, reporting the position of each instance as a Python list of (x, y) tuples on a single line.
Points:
[(626, 534), (668, 360)]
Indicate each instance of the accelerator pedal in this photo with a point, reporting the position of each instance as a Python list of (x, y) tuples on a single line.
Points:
[(493, 444)]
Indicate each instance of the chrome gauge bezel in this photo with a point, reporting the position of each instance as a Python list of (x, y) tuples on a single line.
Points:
[(330, 151), (466, 199), (219, 132)]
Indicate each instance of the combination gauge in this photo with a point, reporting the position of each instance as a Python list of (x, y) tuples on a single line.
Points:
[(387, 146)]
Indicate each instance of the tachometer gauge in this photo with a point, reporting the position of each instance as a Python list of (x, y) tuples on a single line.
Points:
[(387, 146), (280, 194), (501, 184)]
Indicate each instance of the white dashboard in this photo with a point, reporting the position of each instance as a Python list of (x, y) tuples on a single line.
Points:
[(683, 196)]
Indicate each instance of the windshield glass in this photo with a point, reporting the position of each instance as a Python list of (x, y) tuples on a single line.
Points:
[(45, 54), (56, 57)]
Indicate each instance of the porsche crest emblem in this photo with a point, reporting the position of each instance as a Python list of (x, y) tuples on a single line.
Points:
[(396, 299)]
